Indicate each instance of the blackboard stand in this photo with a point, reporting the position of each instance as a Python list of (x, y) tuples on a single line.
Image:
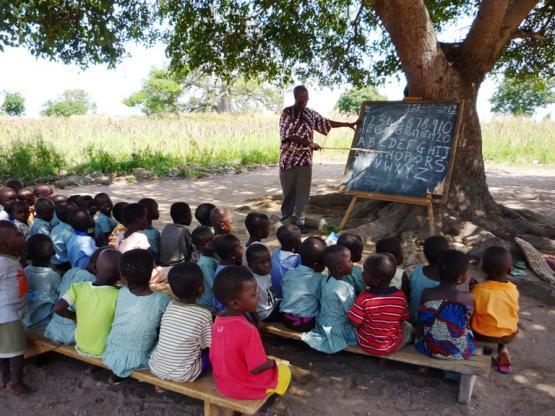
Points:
[(428, 202)]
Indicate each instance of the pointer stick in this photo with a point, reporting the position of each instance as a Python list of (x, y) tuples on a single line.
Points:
[(358, 149)]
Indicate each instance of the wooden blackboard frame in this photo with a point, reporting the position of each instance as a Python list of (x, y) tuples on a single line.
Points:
[(430, 198)]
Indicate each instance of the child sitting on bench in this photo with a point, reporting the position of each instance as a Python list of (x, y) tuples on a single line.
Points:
[(393, 246), (444, 317), (94, 304), (13, 301), (424, 277), (230, 251), (137, 319), (151, 232), (302, 285), (43, 282), (80, 246), (203, 241), (62, 330), (185, 331), (44, 213), (286, 257), (380, 314), (260, 264), (355, 245), (496, 307), (258, 227), (333, 331), (117, 212), (241, 367), (135, 218)]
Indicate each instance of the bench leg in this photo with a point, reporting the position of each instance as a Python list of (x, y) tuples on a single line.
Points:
[(213, 410), (465, 388)]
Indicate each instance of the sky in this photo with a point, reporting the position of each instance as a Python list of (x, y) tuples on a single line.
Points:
[(40, 80)]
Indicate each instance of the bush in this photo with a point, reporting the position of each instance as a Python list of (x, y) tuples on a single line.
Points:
[(28, 160), (71, 103)]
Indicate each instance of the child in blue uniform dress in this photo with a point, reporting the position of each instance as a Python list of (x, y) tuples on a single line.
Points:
[(44, 213), (203, 240), (43, 282), (80, 245), (355, 245), (302, 286), (104, 224), (333, 331), (60, 235), (137, 319), (286, 257)]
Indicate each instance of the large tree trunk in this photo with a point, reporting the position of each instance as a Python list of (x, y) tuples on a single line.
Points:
[(435, 72)]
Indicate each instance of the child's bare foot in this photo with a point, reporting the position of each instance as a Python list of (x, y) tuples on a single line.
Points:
[(159, 389), (17, 389), (114, 380), (423, 371)]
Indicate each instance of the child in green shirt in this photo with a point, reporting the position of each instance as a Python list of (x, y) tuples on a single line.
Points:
[(95, 305)]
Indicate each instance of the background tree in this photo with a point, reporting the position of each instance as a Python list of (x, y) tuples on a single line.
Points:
[(159, 95), (351, 100), (167, 92), (70, 103), (14, 104), (520, 98), (362, 42)]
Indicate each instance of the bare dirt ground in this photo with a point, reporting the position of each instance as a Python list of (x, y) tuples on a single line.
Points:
[(323, 385)]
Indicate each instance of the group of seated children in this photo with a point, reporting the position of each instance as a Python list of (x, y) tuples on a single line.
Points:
[(100, 299)]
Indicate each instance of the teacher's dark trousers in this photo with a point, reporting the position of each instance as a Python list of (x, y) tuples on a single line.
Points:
[(295, 184)]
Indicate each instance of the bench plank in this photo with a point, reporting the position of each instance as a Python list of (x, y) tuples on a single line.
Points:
[(202, 389), (478, 365)]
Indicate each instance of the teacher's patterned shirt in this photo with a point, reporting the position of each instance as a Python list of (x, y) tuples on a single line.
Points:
[(294, 122)]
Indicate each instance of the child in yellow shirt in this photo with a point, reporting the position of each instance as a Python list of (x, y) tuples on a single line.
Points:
[(496, 305)]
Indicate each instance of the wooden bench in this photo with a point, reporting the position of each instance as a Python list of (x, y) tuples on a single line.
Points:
[(202, 389), (478, 365)]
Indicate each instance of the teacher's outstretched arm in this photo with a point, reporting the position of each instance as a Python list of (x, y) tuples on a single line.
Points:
[(335, 124)]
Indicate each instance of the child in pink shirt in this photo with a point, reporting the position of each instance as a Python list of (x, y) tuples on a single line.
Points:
[(240, 366)]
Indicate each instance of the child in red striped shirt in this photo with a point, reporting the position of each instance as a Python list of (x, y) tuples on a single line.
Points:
[(381, 313)]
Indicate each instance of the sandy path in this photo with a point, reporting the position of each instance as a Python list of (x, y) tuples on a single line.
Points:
[(342, 383)]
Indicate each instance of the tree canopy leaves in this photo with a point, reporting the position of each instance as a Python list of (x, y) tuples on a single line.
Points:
[(14, 104), (83, 32), (351, 100)]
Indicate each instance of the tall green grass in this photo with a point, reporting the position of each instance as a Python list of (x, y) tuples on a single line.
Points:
[(196, 144)]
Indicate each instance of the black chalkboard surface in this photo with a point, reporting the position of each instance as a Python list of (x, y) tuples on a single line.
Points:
[(415, 141)]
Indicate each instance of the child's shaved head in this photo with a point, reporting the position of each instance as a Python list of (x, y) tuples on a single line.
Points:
[(497, 261), (289, 236), (7, 196), (44, 208), (202, 214), (311, 253), (391, 245), (80, 219), (15, 184), (354, 243), (108, 264), (258, 225), (222, 220), (379, 269), (27, 194), (42, 189)]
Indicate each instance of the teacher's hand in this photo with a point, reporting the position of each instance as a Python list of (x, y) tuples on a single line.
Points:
[(315, 146)]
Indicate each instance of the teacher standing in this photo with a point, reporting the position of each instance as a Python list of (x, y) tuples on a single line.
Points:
[(297, 125)]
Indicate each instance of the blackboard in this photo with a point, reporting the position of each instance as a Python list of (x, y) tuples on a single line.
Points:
[(417, 140)]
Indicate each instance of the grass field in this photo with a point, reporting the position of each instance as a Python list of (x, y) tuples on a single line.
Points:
[(195, 144)]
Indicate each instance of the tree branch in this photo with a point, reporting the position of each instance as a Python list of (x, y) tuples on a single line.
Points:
[(412, 33), (527, 34), (494, 26)]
